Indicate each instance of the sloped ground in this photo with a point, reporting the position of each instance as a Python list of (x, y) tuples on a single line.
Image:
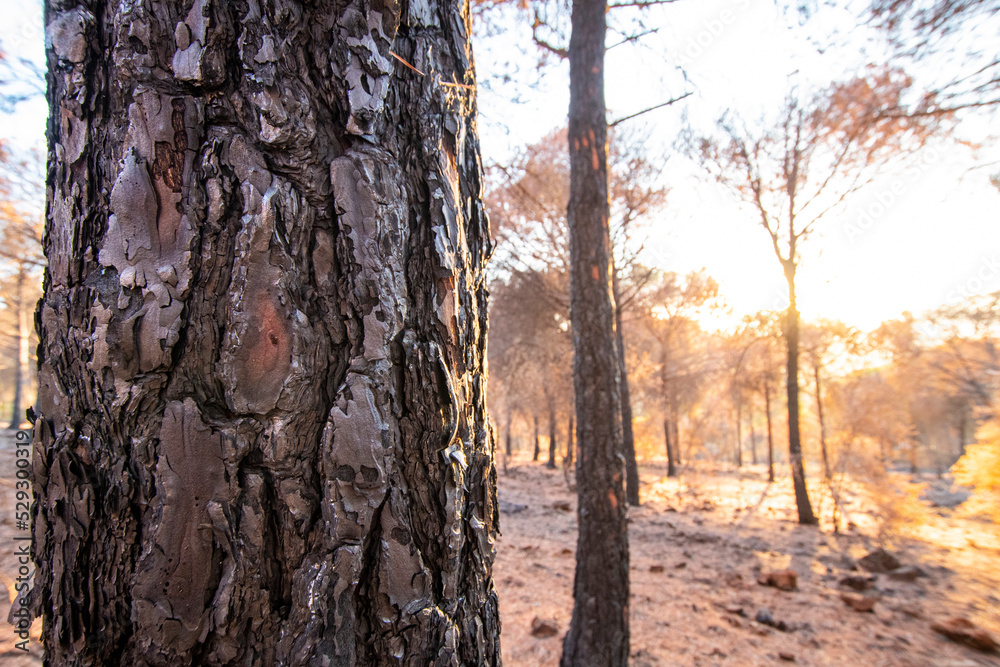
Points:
[(697, 547)]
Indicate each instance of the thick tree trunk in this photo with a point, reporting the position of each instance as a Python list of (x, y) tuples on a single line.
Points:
[(822, 424), (537, 451), (628, 438), (551, 463), (802, 503), (23, 351), (770, 433), (263, 435), (599, 629)]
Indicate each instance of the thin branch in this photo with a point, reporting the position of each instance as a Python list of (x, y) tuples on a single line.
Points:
[(653, 108)]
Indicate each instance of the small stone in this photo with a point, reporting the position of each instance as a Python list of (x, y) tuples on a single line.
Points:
[(907, 573), (860, 603), (543, 628), (858, 582), (764, 616), (562, 506), (964, 631), (880, 561), (656, 569), (785, 580), (787, 657)]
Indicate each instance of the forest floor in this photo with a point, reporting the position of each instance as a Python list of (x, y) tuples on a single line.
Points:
[(698, 544)]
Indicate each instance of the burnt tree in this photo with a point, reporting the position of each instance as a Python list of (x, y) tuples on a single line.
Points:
[(263, 437), (599, 629)]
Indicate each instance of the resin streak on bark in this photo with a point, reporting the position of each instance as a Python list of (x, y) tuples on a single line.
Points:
[(263, 434)]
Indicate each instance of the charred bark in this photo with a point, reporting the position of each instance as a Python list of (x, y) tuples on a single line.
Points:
[(599, 629), (671, 448), (263, 436)]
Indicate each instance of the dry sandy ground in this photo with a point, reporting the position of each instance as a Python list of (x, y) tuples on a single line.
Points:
[(697, 546)]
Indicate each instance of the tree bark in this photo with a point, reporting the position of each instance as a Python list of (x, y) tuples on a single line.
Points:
[(802, 504), (599, 629), (263, 436), (770, 433), (753, 433), (628, 438)]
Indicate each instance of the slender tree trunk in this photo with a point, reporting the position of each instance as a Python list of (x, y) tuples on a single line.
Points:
[(551, 463), (675, 429), (628, 439), (508, 436), (770, 432), (822, 424), (753, 433), (802, 503), (537, 451), (739, 434), (671, 449), (263, 436), (23, 352), (599, 629)]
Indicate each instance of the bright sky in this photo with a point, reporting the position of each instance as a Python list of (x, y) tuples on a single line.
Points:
[(923, 234)]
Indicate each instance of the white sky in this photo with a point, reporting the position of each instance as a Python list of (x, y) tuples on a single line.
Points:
[(938, 238)]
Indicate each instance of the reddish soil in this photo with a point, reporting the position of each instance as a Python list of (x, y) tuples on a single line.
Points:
[(698, 544)]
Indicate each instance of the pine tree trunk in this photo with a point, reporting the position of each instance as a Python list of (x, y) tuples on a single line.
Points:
[(802, 504), (508, 436), (599, 629), (263, 435), (628, 438), (551, 463), (770, 433), (538, 448), (671, 448), (753, 433)]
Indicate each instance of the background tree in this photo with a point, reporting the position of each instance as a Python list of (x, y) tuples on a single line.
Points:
[(263, 435), (599, 629), (669, 303), (21, 269), (822, 342), (792, 174)]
